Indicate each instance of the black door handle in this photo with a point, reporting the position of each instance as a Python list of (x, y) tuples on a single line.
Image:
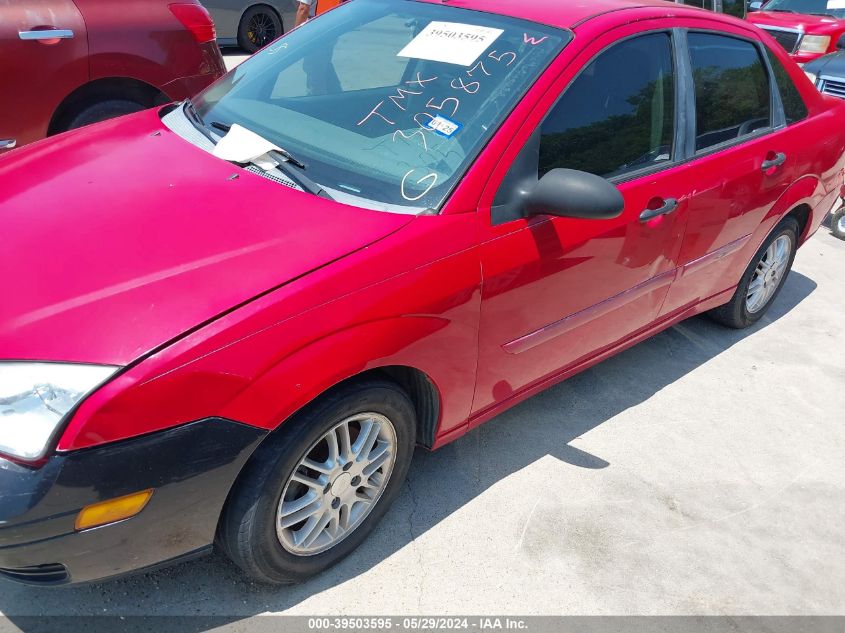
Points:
[(777, 161), (669, 205)]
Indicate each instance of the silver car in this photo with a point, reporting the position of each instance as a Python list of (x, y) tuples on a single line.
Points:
[(251, 24)]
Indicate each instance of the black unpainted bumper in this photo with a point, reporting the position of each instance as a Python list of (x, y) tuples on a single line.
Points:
[(191, 468)]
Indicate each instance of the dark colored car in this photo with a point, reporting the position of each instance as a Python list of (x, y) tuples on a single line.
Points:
[(828, 73), (380, 231), (68, 63), (251, 24)]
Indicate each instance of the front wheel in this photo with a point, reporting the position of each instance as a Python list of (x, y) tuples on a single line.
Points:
[(762, 280), (837, 222), (318, 487)]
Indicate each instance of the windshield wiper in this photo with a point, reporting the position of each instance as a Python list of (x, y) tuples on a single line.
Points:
[(283, 153), (781, 10), (195, 118)]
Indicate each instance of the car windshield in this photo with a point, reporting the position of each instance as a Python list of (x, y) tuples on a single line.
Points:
[(835, 8), (387, 102)]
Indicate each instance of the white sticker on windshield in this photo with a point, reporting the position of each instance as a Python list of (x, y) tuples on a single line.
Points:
[(836, 4), (451, 43), (443, 126)]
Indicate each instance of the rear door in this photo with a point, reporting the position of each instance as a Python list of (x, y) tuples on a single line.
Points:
[(44, 57), (747, 152)]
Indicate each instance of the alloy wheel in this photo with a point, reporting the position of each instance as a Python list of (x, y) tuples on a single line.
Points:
[(261, 30), (769, 274), (336, 484)]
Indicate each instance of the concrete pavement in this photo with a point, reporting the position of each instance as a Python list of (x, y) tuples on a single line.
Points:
[(701, 472)]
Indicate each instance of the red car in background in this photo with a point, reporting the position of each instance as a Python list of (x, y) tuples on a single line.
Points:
[(378, 232), (807, 29), (67, 63)]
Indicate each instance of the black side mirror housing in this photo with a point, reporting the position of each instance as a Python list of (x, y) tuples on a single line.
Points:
[(574, 194)]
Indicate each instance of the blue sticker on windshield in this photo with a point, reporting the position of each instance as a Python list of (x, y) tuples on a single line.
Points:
[(443, 126)]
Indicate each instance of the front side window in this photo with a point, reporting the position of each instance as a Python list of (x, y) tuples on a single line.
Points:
[(618, 116), (732, 92), (387, 103)]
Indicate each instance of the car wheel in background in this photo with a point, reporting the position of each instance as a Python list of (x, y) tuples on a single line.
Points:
[(317, 487), (763, 279), (101, 111), (259, 26), (837, 222)]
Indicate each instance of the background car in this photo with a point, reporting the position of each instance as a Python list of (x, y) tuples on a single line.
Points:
[(67, 63), (807, 29), (249, 24), (828, 73)]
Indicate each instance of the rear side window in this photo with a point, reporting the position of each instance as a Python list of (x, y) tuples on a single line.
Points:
[(732, 92), (618, 116), (793, 104)]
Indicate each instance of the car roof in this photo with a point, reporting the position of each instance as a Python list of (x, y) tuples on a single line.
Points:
[(561, 13)]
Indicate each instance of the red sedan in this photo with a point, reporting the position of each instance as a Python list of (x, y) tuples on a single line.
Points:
[(230, 321), (68, 63)]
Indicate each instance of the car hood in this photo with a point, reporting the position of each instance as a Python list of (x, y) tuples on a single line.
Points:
[(120, 237), (832, 65), (814, 24)]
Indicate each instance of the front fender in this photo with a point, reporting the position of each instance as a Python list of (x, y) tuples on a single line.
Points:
[(436, 346)]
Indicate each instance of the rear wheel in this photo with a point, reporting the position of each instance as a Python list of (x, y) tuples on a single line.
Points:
[(837, 223), (763, 279), (259, 26), (318, 487), (102, 111)]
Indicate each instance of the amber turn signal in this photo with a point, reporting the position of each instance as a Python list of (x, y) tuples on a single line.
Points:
[(112, 510)]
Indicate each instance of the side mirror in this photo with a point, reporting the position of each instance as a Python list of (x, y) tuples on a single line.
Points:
[(574, 194), (754, 6)]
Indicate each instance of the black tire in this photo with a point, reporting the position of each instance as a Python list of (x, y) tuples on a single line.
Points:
[(259, 26), (735, 313), (247, 530), (837, 226), (102, 111)]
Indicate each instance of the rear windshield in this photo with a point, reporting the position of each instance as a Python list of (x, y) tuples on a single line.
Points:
[(386, 101), (833, 8)]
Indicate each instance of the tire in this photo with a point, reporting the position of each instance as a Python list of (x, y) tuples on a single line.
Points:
[(741, 312), (259, 26), (837, 223), (102, 111), (251, 532)]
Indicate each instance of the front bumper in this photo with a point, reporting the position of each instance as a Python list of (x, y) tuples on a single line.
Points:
[(191, 469)]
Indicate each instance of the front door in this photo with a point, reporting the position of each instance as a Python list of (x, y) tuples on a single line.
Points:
[(44, 48), (558, 290)]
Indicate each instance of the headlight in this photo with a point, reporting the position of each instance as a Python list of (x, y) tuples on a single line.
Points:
[(814, 44), (35, 397), (813, 78)]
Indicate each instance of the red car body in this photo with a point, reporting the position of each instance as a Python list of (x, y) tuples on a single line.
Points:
[(790, 28), (248, 317), (132, 50)]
